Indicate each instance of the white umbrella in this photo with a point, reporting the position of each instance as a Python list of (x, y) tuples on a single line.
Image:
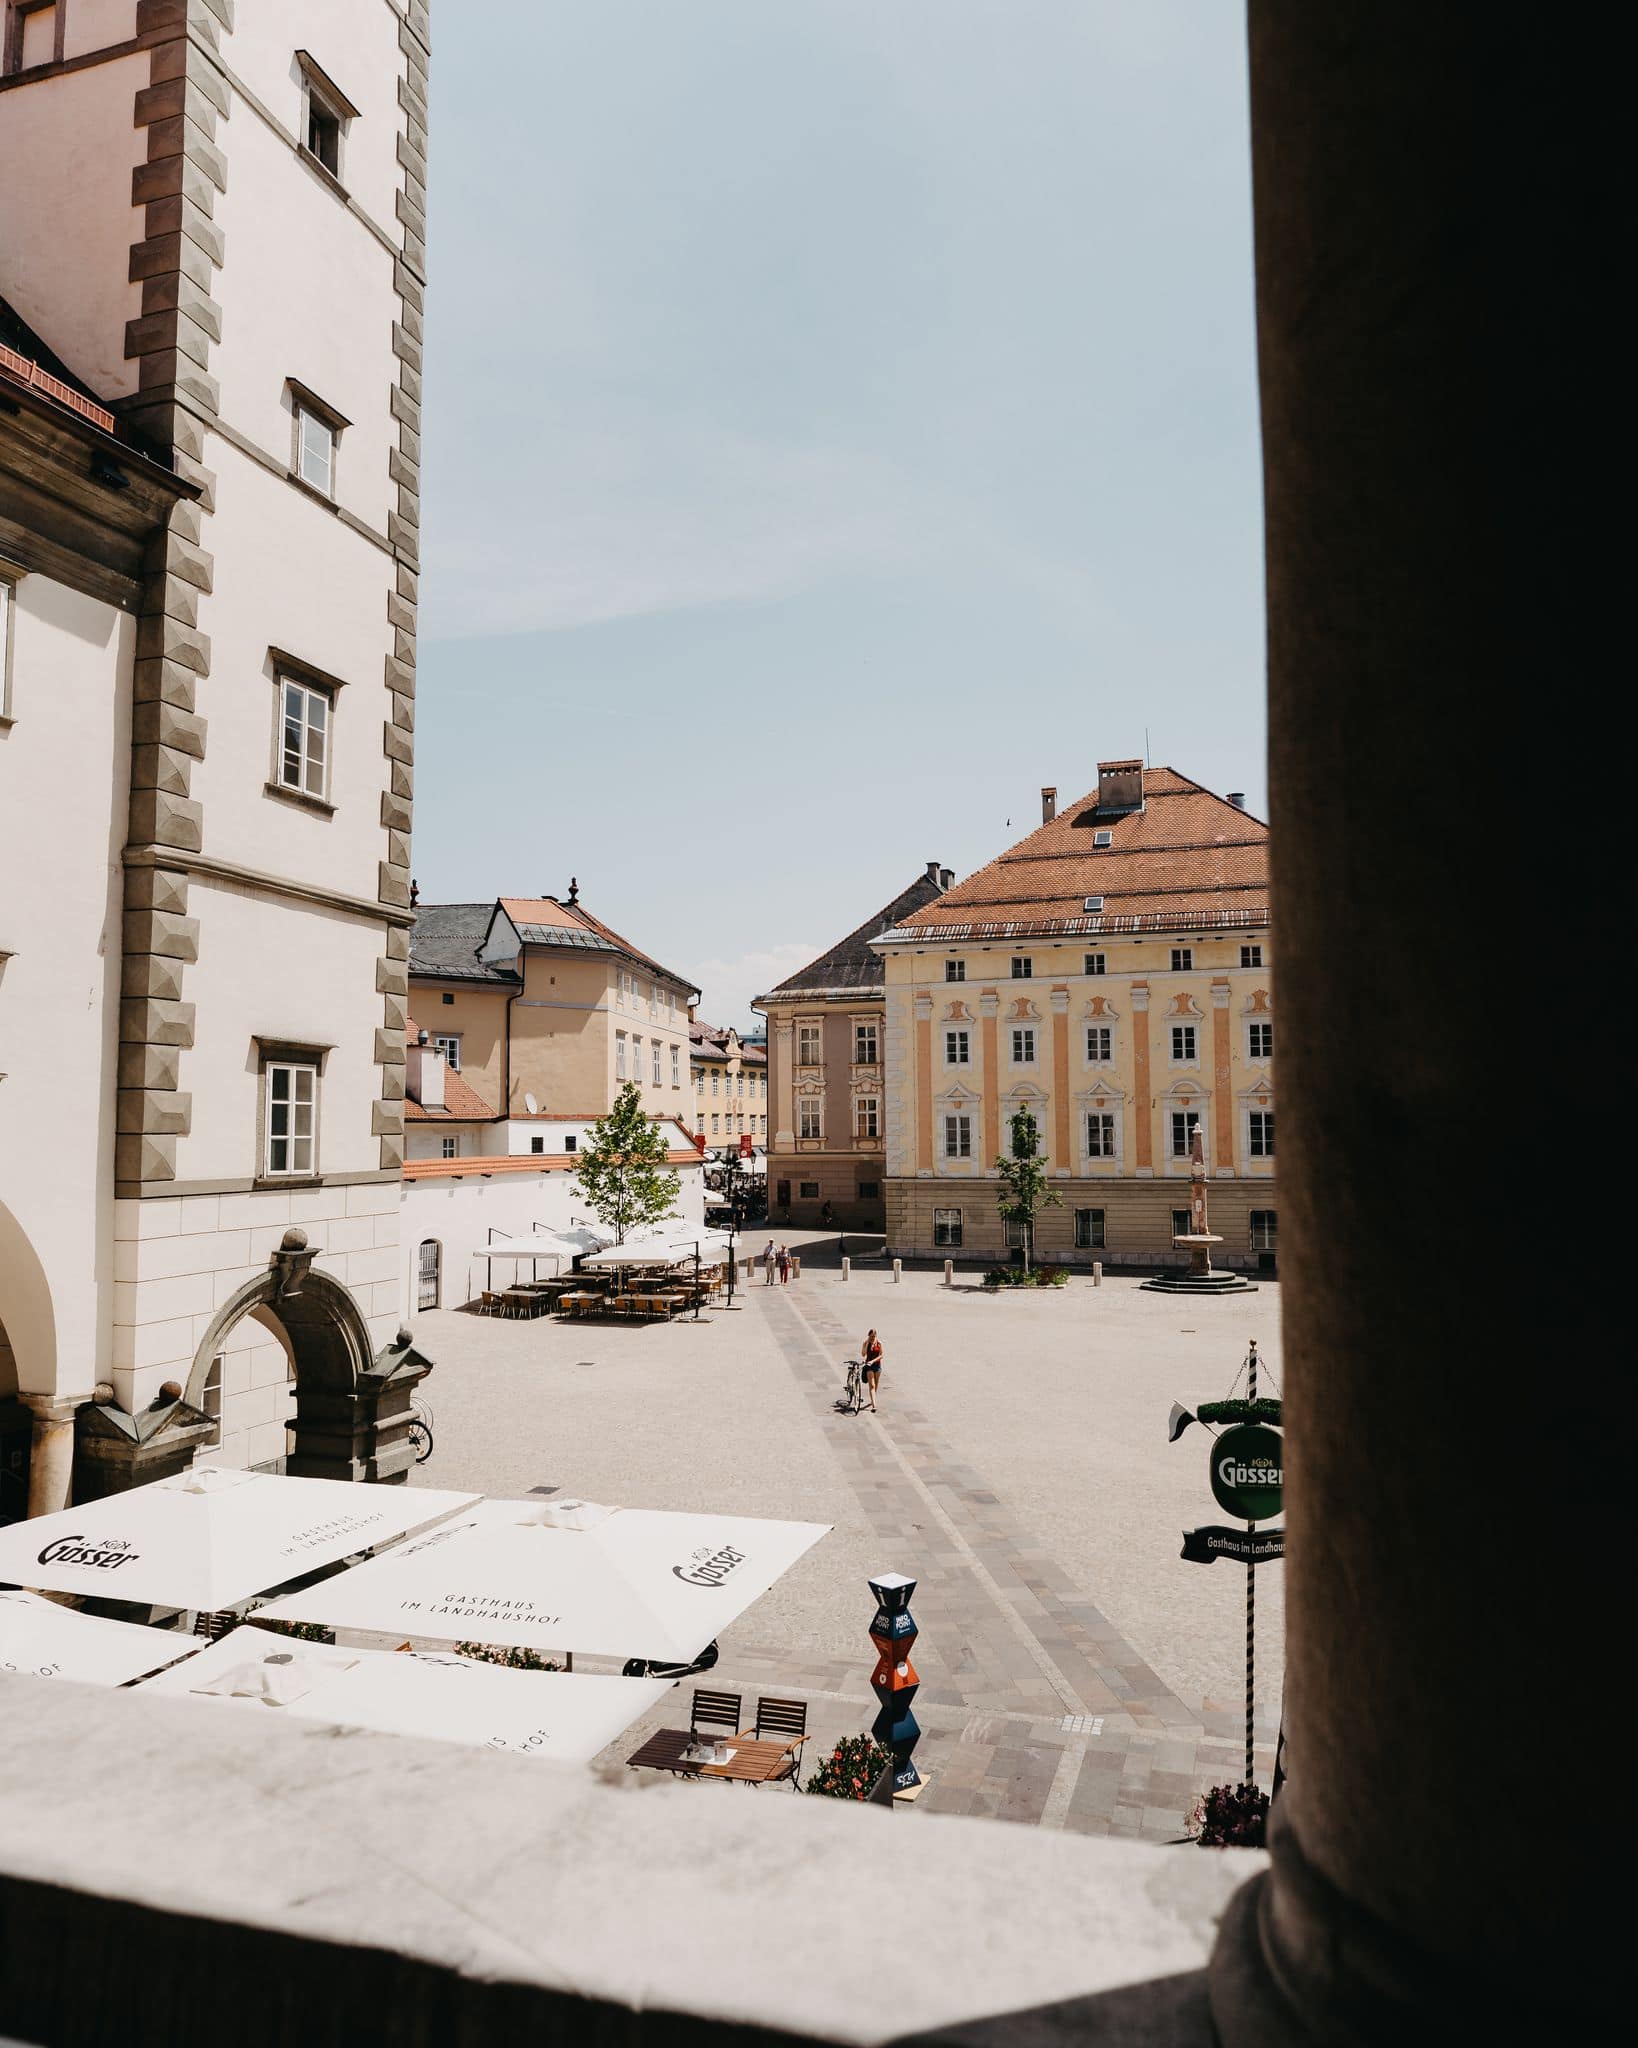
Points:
[(47, 1641), (657, 1251), (627, 1582), (205, 1538), (564, 1718)]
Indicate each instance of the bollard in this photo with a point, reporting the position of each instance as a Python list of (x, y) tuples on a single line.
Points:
[(949, 1272), (898, 1269), (796, 1267), (894, 1680), (1097, 1272), (847, 1267)]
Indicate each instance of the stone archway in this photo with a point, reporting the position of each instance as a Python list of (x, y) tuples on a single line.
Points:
[(352, 1405)]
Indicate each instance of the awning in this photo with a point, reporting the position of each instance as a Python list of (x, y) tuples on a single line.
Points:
[(207, 1537), (562, 1717), (626, 1582), (43, 1640)]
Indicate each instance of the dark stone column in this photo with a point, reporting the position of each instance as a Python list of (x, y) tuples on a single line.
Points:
[(114, 1451), (361, 1431), (1441, 844)]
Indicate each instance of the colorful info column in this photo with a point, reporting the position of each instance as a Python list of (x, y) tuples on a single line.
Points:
[(894, 1680)]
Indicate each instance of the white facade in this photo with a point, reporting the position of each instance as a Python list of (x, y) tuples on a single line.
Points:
[(215, 233)]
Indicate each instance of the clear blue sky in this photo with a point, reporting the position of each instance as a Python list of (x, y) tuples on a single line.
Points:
[(840, 420)]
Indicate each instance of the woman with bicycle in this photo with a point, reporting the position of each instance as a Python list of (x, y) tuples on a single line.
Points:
[(870, 1359)]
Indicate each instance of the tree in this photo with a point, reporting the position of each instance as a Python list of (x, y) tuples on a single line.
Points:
[(622, 1170), (1024, 1186)]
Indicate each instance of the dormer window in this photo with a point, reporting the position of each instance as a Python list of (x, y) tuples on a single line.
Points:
[(326, 113)]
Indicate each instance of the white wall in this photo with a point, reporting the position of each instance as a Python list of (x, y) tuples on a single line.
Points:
[(59, 995), (94, 24)]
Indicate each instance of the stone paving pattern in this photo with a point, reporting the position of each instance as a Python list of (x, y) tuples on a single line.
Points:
[(1035, 1705)]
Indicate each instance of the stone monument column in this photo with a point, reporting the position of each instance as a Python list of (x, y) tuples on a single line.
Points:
[(51, 1450)]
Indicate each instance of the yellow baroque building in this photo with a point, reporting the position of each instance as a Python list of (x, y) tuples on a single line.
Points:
[(1111, 973)]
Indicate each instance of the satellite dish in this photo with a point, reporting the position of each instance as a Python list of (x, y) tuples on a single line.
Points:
[(529, 1103)]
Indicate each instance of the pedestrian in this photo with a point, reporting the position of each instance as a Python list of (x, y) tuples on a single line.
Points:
[(784, 1266), (827, 1216), (768, 1261), (870, 1357)]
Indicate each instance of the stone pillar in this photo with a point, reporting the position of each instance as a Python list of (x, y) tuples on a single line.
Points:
[(989, 1141), (1456, 1408), (51, 1451), (782, 1051), (1143, 1108), (1063, 1159), (926, 1160), (1222, 1063)]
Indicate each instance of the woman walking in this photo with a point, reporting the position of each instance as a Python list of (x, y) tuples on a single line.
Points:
[(784, 1266), (870, 1357)]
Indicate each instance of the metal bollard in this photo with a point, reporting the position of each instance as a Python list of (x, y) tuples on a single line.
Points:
[(898, 1269), (1097, 1272), (847, 1267), (949, 1272)]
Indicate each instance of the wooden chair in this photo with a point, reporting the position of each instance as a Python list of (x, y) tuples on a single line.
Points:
[(716, 1710), (787, 1721)]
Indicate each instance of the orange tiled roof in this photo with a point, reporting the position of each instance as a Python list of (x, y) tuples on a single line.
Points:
[(1188, 858), (462, 1104), (538, 910), (573, 916)]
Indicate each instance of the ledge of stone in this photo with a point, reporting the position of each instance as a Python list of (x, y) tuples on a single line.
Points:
[(318, 1861)]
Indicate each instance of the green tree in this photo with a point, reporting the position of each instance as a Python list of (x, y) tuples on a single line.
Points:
[(622, 1171), (1024, 1185)]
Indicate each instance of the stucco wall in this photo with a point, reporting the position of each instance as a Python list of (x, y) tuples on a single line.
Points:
[(478, 1016)]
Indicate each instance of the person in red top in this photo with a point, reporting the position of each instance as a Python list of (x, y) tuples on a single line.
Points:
[(870, 1357)]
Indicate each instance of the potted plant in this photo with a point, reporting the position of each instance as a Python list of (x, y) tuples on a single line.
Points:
[(1230, 1817), (852, 1769)]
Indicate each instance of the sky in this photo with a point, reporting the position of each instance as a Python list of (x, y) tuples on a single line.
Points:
[(840, 420)]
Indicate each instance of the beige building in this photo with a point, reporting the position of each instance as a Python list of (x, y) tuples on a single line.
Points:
[(827, 1075), (730, 1083), (1111, 973), (212, 261)]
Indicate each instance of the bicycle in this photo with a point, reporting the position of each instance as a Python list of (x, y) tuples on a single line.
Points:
[(853, 1390), (420, 1429)]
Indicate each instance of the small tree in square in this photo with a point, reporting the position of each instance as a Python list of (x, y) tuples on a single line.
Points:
[(1024, 1185), (623, 1173)]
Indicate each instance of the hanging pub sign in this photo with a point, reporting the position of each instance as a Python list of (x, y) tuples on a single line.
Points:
[(1248, 1472), (1239, 1546)]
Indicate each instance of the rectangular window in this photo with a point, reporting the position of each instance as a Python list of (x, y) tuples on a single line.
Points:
[(947, 1226), (1023, 1047), (1182, 959), (656, 1063), (1251, 956), (1264, 1230), (716, 1081), (807, 1045), (451, 1147), (808, 1190), (808, 1126), (1096, 963), (304, 738), (716, 1123), (957, 1052), (449, 1044), (864, 1117), (1260, 1041), (676, 1066), (958, 1137), (619, 1055), (1100, 1134), (955, 970), (1262, 1134), (292, 1112), (870, 1191), (1183, 1122), (1100, 1044), (7, 594), (864, 1045), (571, 1143), (1184, 1044), (1182, 1223), (1089, 1230), (315, 451), (1023, 967), (537, 1144)]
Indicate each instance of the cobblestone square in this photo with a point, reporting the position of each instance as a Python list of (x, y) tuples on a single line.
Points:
[(1076, 1672)]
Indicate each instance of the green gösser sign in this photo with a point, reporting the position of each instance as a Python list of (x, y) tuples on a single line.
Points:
[(1248, 1471)]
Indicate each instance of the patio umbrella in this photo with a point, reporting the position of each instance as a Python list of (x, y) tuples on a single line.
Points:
[(206, 1537), (565, 1718), (626, 1582), (47, 1641)]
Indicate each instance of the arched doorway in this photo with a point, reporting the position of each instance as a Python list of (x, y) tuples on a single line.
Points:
[(429, 1271), (28, 1379)]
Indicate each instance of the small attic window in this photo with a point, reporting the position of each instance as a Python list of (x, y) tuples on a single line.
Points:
[(325, 114), (1103, 838), (1093, 903)]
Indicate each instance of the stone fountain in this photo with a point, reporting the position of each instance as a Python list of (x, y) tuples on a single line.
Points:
[(1202, 1277)]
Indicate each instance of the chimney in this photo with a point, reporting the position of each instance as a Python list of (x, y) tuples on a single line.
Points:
[(946, 877), (932, 871), (1049, 803), (1120, 785), (1237, 797), (424, 1073)]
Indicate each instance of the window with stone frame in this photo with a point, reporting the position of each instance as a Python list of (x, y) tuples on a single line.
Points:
[(1264, 1230), (809, 1118), (676, 1066), (1182, 1223), (947, 1227), (808, 1190), (1182, 959), (1260, 1133), (1100, 1133), (1260, 1041), (1100, 1044), (1096, 963), (1184, 1122), (865, 1114), (33, 34), (1023, 967), (807, 1045), (864, 1045), (619, 1055), (1089, 1230), (958, 1136), (955, 970), (290, 1107), (1251, 956), (870, 1191), (655, 1064), (449, 1044), (1023, 1047), (451, 1147), (1185, 1045), (305, 716), (957, 1049), (326, 116)]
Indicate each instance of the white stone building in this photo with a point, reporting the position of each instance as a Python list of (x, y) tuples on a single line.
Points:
[(212, 240)]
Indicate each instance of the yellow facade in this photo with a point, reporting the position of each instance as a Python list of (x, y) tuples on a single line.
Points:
[(729, 1085)]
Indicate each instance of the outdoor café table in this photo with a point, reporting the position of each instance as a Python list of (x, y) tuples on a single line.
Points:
[(752, 1763), (579, 1304)]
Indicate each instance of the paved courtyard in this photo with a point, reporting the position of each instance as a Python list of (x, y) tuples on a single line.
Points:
[(1076, 1672)]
